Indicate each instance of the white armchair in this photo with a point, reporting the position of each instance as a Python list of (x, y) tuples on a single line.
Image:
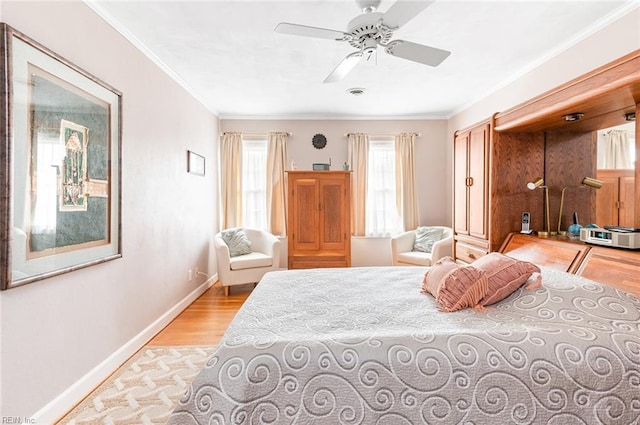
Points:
[(247, 268), (402, 252)]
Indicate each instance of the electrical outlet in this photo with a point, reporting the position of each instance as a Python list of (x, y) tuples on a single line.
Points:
[(190, 274)]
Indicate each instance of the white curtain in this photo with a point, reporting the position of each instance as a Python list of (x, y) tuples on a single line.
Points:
[(617, 151), (277, 183), (357, 152), (405, 180), (382, 214), (254, 183), (230, 180)]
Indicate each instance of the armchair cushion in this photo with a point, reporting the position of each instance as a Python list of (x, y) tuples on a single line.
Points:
[(250, 261), (237, 241), (426, 237), (413, 257)]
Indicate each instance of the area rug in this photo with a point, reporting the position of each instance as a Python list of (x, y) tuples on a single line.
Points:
[(144, 390)]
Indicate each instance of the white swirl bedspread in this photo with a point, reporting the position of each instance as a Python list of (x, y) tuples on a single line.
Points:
[(364, 346)]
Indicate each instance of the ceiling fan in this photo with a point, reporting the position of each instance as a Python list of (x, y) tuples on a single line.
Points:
[(371, 29)]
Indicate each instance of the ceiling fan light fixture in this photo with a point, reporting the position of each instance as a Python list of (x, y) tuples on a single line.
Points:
[(573, 117), (368, 6), (356, 91), (371, 29)]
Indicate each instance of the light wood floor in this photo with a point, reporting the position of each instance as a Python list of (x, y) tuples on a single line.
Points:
[(206, 319)]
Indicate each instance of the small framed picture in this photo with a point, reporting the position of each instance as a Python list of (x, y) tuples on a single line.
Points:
[(195, 163)]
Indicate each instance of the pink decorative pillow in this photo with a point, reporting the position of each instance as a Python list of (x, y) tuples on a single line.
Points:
[(437, 273), (453, 286), (504, 274)]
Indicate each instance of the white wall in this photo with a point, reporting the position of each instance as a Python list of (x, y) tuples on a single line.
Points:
[(56, 331), (606, 45), (431, 161), (432, 165)]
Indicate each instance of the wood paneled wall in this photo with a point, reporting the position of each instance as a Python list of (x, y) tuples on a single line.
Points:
[(569, 157), (604, 96), (516, 159)]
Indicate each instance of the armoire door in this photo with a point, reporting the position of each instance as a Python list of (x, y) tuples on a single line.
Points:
[(333, 223), (614, 200), (305, 196), (607, 199), (627, 203), (478, 169), (460, 180)]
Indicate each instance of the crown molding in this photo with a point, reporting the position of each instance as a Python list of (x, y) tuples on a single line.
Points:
[(561, 48), (109, 19), (329, 117)]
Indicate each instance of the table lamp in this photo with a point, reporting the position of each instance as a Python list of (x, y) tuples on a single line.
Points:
[(538, 183), (586, 182)]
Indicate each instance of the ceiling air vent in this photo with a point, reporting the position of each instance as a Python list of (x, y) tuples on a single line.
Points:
[(356, 91)]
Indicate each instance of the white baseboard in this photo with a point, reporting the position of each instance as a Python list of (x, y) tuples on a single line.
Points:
[(60, 405)]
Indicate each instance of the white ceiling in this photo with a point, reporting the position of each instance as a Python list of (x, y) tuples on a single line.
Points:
[(228, 56)]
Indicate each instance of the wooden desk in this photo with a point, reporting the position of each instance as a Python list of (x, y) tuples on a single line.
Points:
[(615, 267), (549, 252)]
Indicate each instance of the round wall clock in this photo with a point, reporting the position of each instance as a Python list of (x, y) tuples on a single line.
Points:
[(319, 141)]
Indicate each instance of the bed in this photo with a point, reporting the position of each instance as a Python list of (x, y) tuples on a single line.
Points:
[(365, 346)]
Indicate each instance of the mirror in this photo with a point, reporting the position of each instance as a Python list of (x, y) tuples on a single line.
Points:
[(616, 153)]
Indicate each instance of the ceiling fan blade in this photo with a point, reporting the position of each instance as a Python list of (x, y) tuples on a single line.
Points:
[(417, 52), (344, 67), (306, 31), (402, 11)]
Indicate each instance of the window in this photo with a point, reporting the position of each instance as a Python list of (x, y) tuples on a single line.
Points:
[(254, 183), (50, 154), (382, 215)]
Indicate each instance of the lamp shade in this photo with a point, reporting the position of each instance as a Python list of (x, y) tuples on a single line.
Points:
[(536, 183), (591, 182)]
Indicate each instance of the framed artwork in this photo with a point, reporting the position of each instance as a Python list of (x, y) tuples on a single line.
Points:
[(195, 163), (60, 166)]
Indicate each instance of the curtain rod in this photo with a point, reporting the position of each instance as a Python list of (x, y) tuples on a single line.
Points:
[(632, 132), (385, 135), (258, 134)]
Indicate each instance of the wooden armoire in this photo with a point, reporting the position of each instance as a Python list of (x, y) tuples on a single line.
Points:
[(319, 219)]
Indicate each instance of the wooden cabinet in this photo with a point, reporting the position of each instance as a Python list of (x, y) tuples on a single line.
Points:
[(470, 192), (319, 219), (471, 163), (533, 140), (614, 200), (605, 97), (491, 172), (467, 253)]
